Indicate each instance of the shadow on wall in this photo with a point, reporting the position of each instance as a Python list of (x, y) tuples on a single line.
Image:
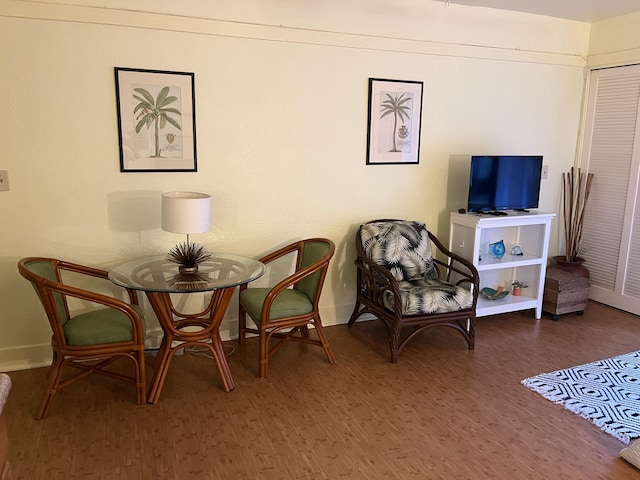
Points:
[(134, 211), (457, 191), (138, 213)]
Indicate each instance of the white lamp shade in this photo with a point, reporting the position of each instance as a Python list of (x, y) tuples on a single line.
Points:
[(186, 212)]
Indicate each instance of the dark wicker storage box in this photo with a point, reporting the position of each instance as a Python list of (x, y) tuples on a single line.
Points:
[(564, 292)]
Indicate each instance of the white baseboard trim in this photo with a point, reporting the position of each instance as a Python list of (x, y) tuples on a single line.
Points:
[(24, 358), (37, 356)]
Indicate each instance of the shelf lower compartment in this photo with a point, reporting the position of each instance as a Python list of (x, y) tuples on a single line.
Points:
[(503, 305)]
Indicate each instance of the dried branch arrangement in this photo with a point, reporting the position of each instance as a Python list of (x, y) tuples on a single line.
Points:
[(575, 192)]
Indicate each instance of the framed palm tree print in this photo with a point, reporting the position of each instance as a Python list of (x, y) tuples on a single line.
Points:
[(395, 118), (156, 120)]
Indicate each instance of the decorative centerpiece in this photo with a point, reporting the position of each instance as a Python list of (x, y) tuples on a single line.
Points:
[(188, 256)]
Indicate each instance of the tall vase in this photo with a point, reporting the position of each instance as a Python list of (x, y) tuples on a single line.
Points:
[(576, 267)]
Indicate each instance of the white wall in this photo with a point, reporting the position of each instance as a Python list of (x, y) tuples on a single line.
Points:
[(615, 41), (281, 109)]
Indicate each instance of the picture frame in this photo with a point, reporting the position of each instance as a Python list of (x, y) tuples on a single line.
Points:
[(394, 121), (156, 120)]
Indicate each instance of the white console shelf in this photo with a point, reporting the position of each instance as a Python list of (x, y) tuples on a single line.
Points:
[(470, 236)]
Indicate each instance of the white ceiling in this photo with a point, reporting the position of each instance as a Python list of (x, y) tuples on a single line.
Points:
[(582, 10)]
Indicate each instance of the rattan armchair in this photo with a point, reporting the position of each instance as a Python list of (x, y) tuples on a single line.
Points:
[(88, 341), (401, 283), (287, 310)]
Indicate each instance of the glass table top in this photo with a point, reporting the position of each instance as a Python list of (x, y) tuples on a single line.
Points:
[(158, 274)]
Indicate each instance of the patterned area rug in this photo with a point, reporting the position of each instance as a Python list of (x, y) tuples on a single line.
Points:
[(606, 392)]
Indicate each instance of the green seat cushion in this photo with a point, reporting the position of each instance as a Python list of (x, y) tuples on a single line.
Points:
[(288, 304), (98, 327)]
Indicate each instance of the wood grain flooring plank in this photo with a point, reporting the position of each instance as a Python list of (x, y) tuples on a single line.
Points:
[(441, 412)]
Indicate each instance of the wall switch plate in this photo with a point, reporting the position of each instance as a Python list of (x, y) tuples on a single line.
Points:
[(545, 172), (4, 180)]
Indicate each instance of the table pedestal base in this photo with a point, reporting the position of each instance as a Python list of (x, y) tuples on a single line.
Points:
[(173, 324)]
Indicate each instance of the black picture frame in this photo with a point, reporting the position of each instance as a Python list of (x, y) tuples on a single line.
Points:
[(388, 140), (156, 120)]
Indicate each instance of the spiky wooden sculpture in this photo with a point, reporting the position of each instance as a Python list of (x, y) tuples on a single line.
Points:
[(188, 256)]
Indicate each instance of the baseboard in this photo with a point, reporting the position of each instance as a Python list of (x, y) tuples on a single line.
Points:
[(24, 358), (37, 356)]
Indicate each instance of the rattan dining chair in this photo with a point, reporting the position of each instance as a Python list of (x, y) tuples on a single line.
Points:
[(287, 310), (89, 341)]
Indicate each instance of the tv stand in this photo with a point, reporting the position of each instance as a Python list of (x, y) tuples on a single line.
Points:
[(497, 213), (470, 237)]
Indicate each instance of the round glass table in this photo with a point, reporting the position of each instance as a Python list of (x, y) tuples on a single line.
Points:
[(158, 277)]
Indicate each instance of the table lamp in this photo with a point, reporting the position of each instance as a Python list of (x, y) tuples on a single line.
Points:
[(186, 212)]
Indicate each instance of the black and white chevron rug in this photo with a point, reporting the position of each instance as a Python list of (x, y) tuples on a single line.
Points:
[(606, 392)]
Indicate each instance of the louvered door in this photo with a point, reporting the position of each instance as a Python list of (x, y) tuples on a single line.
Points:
[(611, 233)]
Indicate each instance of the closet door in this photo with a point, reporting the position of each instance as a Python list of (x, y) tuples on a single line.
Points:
[(611, 232)]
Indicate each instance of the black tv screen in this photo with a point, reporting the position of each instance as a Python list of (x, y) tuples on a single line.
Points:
[(504, 182)]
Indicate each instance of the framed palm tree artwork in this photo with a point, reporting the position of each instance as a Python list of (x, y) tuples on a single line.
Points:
[(395, 118), (156, 120)]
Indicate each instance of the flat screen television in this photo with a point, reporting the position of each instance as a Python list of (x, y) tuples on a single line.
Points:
[(504, 182)]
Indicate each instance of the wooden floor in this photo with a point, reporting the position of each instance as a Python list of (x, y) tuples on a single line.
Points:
[(441, 412)]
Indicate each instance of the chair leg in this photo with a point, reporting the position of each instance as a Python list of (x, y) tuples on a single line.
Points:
[(263, 354), (54, 376), (54, 360), (304, 331), (471, 330), (394, 342), (325, 342), (358, 310), (242, 324)]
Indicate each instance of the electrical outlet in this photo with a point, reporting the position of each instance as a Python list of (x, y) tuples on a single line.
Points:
[(545, 172), (4, 180)]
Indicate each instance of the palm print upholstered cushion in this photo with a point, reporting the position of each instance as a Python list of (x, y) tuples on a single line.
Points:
[(404, 248)]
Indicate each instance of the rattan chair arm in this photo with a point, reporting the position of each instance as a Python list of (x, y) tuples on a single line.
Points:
[(95, 272), (378, 280), (470, 272), (294, 247)]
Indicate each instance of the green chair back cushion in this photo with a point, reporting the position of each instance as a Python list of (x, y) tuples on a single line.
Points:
[(46, 269), (98, 327), (312, 252)]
